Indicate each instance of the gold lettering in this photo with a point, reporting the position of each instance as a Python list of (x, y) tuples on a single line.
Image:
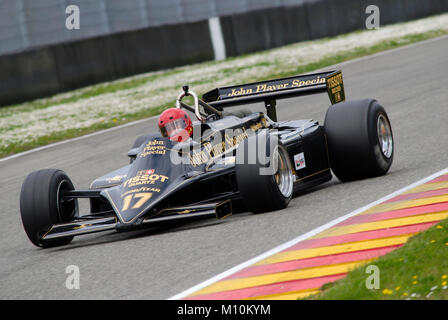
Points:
[(261, 87), (233, 93), (239, 92)]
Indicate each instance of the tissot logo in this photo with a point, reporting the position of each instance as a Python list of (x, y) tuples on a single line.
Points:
[(335, 87), (144, 178)]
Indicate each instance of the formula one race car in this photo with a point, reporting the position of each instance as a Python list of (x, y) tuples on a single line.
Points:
[(233, 160)]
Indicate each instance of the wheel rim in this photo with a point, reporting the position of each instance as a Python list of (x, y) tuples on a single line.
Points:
[(385, 136), (67, 209), (283, 177)]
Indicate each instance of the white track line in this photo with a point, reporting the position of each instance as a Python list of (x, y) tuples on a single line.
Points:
[(301, 238), (17, 155)]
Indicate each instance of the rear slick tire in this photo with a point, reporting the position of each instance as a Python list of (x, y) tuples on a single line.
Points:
[(360, 139)]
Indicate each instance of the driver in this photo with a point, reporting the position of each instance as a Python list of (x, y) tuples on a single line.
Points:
[(175, 124)]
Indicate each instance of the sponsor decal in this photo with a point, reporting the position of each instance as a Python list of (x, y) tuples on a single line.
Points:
[(117, 178), (141, 189), (335, 87), (299, 161), (100, 183), (144, 177), (153, 147), (273, 85)]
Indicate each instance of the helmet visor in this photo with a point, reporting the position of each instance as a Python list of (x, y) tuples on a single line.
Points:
[(175, 127)]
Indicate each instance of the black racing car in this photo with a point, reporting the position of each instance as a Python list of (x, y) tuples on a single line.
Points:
[(235, 161)]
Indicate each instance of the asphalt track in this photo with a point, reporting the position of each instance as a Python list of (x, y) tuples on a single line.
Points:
[(158, 263)]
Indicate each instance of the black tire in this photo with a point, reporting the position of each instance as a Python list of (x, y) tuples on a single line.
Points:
[(41, 205), (261, 192), (353, 139)]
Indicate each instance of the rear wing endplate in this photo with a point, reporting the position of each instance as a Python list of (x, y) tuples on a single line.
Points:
[(272, 90)]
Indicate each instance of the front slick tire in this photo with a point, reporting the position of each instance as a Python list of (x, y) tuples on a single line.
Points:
[(360, 139), (41, 205), (263, 185)]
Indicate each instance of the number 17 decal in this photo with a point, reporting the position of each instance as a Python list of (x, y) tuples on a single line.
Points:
[(141, 197)]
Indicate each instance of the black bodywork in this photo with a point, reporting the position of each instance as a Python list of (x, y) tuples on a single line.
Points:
[(154, 188)]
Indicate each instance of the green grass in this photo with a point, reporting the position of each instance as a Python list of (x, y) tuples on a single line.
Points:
[(134, 82), (418, 270), (84, 93)]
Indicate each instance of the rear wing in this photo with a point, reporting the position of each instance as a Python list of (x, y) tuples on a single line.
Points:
[(272, 90)]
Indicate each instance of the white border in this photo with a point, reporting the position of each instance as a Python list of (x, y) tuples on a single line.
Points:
[(301, 238)]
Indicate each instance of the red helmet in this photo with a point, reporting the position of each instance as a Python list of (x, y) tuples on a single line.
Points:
[(175, 123)]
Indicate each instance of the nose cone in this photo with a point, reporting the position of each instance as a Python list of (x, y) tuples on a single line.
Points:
[(150, 178), (140, 192)]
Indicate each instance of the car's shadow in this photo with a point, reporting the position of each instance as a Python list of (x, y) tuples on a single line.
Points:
[(166, 227)]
